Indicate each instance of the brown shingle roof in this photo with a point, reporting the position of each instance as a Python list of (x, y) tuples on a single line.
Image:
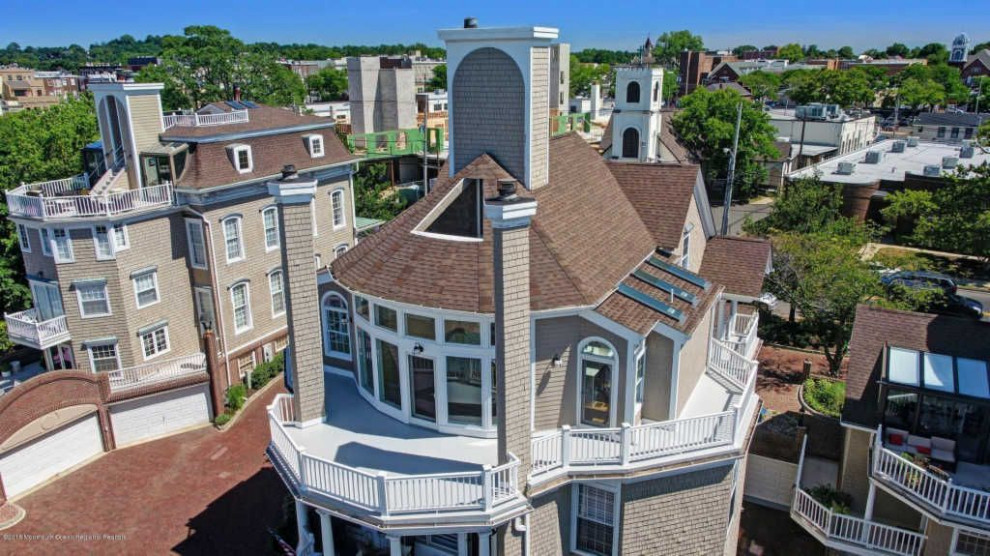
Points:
[(876, 328), (584, 239), (262, 118), (661, 195), (738, 263)]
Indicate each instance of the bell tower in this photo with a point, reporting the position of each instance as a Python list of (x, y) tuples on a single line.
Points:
[(636, 118), (960, 49)]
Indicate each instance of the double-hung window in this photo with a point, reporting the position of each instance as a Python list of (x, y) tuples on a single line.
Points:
[(315, 145), (233, 240), (240, 297), (22, 238), (595, 521), (269, 217), (277, 288), (120, 239), (93, 299), (154, 341), (46, 242), (145, 287), (196, 241), (337, 202), (62, 245), (104, 243), (241, 155), (103, 357)]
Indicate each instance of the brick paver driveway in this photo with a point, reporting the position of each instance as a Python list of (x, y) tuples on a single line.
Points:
[(201, 492)]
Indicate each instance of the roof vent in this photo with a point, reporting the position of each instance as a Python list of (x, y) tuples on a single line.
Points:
[(898, 147), (912, 142), (289, 172), (933, 170), (874, 157), (470, 23), (846, 168), (966, 151), (507, 189), (949, 162)]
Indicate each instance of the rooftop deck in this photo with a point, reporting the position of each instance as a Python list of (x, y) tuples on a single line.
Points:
[(70, 198)]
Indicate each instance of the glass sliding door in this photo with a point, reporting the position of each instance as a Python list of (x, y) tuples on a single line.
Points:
[(423, 388), (464, 390), (365, 367), (389, 387)]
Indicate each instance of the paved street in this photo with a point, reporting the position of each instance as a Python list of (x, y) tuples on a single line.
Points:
[(738, 214), (201, 492)]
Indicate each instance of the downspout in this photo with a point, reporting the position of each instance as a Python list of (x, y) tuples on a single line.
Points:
[(521, 525), (216, 292)]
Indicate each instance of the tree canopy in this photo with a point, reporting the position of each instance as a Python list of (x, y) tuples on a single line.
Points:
[(670, 44), (439, 79), (792, 52), (742, 49), (327, 84), (763, 84), (583, 75)]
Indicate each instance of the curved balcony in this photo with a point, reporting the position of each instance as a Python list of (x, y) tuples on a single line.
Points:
[(28, 328), (369, 465)]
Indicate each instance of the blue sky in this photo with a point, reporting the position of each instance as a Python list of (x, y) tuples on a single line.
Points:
[(723, 24)]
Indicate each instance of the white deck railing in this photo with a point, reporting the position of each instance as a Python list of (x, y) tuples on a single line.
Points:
[(741, 333), (43, 206), (205, 120), (158, 371), (846, 529), (27, 328), (939, 495), (384, 494), (730, 364)]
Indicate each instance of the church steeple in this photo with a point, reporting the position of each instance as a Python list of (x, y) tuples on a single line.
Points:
[(638, 98)]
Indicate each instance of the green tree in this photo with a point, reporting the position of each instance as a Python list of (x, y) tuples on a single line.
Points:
[(327, 84), (812, 51), (976, 49), (917, 93), (670, 44), (374, 196), (846, 53), (934, 52), (173, 96), (792, 52), (439, 79), (898, 49), (950, 78), (706, 125), (763, 84), (669, 85), (807, 205), (740, 50), (583, 75), (804, 86)]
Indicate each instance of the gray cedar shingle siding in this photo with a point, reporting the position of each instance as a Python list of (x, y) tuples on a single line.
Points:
[(550, 523), (539, 116), (489, 105)]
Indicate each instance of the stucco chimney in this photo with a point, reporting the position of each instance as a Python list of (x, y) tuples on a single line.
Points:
[(294, 195)]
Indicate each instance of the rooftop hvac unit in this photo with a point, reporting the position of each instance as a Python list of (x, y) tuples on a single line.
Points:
[(949, 162), (810, 112), (933, 170), (897, 147), (874, 157), (912, 142), (846, 168), (966, 152)]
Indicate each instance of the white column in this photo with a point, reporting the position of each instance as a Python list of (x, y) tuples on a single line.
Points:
[(395, 546), (302, 526), (868, 514), (485, 544), (327, 531), (462, 543)]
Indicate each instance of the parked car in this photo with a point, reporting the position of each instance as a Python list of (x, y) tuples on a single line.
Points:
[(953, 303)]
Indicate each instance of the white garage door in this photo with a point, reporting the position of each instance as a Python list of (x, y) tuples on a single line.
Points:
[(42, 459), (159, 415)]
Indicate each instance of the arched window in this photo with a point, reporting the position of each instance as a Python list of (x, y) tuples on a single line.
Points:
[(632, 92), (597, 363), (336, 327), (337, 203), (630, 143)]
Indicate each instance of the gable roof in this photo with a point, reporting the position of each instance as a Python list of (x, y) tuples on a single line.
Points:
[(877, 328), (671, 142), (738, 263), (983, 57), (661, 195), (577, 256), (731, 85)]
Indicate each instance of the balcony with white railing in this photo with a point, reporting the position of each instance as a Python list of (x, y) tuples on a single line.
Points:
[(938, 494), (740, 334), (714, 422), (206, 120), (157, 372), (70, 199), (29, 328), (371, 465)]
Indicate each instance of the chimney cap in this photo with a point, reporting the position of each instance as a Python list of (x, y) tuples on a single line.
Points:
[(470, 23), (507, 189), (289, 172)]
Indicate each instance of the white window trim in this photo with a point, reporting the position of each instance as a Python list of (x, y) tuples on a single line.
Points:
[(126, 244), (343, 213), (240, 237), (168, 342), (685, 259), (89, 353), (247, 306), (46, 246), (312, 214), (23, 240), (68, 241), (154, 280), (340, 250), (79, 300), (614, 394), (309, 145), (111, 242), (198, 224), (271, 293), (264, 228), (616, 491), (235, 151), (326, 330)]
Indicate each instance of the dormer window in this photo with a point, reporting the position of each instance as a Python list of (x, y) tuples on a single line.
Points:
[(315, 145), (240, 155)]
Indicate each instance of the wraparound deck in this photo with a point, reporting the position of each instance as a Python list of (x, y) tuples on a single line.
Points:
[(66, 200)]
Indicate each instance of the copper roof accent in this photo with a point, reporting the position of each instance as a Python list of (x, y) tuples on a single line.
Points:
[(260, 119), (876, 328), (584, 239), (211, 165), (661, 195), (738, 263), (641, 318)]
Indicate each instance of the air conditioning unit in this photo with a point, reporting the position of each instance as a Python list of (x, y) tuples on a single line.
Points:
[(874, 157), (912, 142), (810, 112), (267, 352), (949, 162), (966, 151), (933, 170), (846, 168), (898, 147)]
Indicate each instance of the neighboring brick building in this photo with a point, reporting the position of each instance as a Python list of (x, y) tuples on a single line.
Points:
[(544, 355), (172, 234), (978, 65), (695, 66)]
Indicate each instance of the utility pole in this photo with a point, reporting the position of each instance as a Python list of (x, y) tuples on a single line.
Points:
[(732, 174), (426, 142)]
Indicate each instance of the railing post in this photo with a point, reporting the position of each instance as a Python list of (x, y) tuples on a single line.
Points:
[(382, 493), (565, 446), (625, 436), (303, 486), (486, 485)]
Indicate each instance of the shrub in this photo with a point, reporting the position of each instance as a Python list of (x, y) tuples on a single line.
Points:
[(235, 397), (222, 419), (825, 396), (832, 498), (263, 373)]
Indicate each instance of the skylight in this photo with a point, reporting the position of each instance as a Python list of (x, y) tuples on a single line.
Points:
[(902, 366), (973, 378), (938, 372)]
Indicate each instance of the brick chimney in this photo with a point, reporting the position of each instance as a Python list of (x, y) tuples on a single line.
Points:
[(294, 195)]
